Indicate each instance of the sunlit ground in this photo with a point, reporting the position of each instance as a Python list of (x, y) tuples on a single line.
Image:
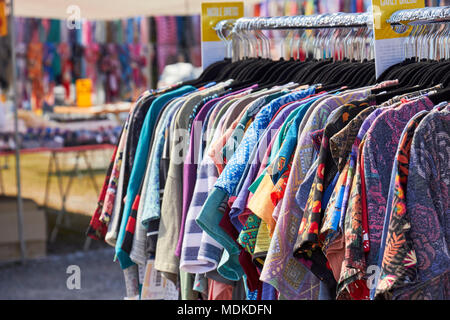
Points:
[(45, 278), (82, 197)]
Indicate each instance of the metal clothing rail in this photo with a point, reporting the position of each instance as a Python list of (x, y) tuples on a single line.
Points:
[(343, 27), (333, 20), (420, 16), (316, 21), (353, 25), (319, 21), (428, 38)]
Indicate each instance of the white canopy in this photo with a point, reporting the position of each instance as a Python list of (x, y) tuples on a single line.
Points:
[(108, 9)]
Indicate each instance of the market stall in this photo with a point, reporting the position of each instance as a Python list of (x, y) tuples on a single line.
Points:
[(45, 37)]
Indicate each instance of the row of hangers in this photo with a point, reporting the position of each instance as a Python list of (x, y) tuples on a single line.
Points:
[(426, 48), (339, 52), (429, 36), (336, 36)]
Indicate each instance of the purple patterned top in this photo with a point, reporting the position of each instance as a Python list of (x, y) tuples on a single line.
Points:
[(379, 151), (428, 207)]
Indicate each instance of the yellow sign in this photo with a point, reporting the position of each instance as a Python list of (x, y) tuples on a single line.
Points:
[(3, 19), (213, 12), (383, 9), (83, 88), (389, 45)]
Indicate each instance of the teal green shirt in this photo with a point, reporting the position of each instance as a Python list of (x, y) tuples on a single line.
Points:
[(139, 165)]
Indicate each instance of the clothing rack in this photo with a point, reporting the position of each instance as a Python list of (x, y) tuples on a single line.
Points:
[(332, 20), (354, 24), (229, 30), (284, 191), (429, 25), (420, 16), (320, 21)]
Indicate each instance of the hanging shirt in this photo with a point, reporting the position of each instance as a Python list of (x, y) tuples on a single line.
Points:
[(353, 159), (379, 152), (97, 229), (171, 206), (353, 154), (207, 242), (110, 196), (312, 217), (114, 224), (190, 163), (151, 199), (353, 268), (340, 148), (252, 224), (131, 236), (398, 265), (427, 210), (308, 243), (100, 221), (193, 259), (237, 214), (139, 252)]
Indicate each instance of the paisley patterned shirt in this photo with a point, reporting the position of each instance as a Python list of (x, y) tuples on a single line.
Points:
[(353, 267), (428, 208), (312, 218), (379, 152), (398, 256), (341, 146)]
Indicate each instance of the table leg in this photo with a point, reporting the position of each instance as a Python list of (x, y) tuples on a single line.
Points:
[(48, 183), (91, 172), (2, 186), (64, 194)]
